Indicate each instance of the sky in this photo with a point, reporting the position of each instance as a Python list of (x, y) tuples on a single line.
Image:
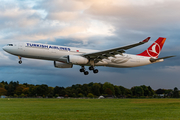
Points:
[(92, 24)]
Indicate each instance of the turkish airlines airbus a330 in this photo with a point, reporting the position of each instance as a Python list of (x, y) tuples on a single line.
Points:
[(66, 57)]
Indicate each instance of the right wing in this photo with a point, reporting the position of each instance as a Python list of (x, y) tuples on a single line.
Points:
[(98, 56)]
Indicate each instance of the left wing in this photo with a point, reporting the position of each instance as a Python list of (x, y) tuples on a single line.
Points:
[(98, 56)]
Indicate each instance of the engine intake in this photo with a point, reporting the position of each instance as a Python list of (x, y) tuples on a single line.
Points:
[(79, 60)]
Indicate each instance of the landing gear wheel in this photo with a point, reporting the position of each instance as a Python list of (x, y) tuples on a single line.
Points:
[(91, 68), (81, 70), (20, 62), (95, 71), (86, 73)]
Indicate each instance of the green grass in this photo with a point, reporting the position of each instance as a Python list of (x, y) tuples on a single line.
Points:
[(92, 109)]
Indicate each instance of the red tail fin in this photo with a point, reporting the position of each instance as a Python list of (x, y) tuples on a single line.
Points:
[(155, 49)]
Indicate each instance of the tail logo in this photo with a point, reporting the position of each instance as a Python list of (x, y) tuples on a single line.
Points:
[(154, 50)]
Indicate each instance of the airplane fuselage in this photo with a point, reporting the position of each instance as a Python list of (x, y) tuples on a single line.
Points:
[(59, 53)]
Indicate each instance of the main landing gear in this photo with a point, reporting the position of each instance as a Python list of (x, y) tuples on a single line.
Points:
[(84, 70), (94, 70), (20, 61), (90, 68)]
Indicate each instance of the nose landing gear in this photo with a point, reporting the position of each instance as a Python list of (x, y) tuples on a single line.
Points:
[(20, 61)]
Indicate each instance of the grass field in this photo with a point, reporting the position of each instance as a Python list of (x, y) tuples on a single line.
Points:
[(92, 109)]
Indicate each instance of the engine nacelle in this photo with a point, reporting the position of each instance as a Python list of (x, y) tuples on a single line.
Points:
[(62, 65), (79, 60)]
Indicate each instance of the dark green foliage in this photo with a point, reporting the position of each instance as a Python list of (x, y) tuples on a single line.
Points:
[(42, 90), (137, 91), (117, 91), (90, 95), (160, 91), (14, 89), (108, 88), (176, 93), (96, 89)]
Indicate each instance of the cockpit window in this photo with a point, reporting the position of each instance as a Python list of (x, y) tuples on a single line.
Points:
[(9, 44)]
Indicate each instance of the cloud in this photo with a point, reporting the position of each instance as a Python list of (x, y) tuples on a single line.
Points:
[(138, 18)]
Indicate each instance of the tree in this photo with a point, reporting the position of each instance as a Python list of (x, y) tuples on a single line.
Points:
[(80, 95), (42, 90), (108, 91), (146, 90), (32, 91), (19, 89), (128, 93), (1, 85), (11, 88), (25, 91), (137, 91), (176, 93), (108, 88), (117, 91), (96, 89), (90, 95), (151, 91), (169, 93), (74, 95), (59, 90), (50, 92), (3, 91), (84, 88), (123, 90), (160, 91), (69, 92), (79, 90)]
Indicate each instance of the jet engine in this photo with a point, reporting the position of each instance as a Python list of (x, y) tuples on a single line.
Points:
[(62, 65), (79, 60)]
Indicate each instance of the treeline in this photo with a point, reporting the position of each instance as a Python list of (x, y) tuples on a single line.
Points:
[(14, 89)]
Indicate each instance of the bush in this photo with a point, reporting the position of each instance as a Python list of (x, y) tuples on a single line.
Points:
[(90, 95), (15, 95), (80, 95)]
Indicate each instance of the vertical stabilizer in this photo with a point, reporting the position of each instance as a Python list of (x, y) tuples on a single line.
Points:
[(155, 49)]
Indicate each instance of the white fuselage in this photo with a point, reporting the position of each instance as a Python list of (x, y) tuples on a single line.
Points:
[(58, 53)]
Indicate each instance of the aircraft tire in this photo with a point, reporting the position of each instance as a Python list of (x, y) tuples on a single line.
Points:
[(91, 68), (95, 71), (20, 62), (86, 73), (82, 70)]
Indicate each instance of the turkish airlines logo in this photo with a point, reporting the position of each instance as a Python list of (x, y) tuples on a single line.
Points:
[(154, 50)]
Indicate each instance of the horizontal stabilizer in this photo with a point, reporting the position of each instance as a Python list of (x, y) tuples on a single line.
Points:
[(157, 59)]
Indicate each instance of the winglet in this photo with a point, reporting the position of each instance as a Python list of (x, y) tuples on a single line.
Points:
[(146, 40)]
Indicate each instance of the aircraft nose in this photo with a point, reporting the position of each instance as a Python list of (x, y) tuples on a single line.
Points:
[(4, 48)]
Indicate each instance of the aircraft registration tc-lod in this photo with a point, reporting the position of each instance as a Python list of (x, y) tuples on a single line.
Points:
[(66, 57)]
